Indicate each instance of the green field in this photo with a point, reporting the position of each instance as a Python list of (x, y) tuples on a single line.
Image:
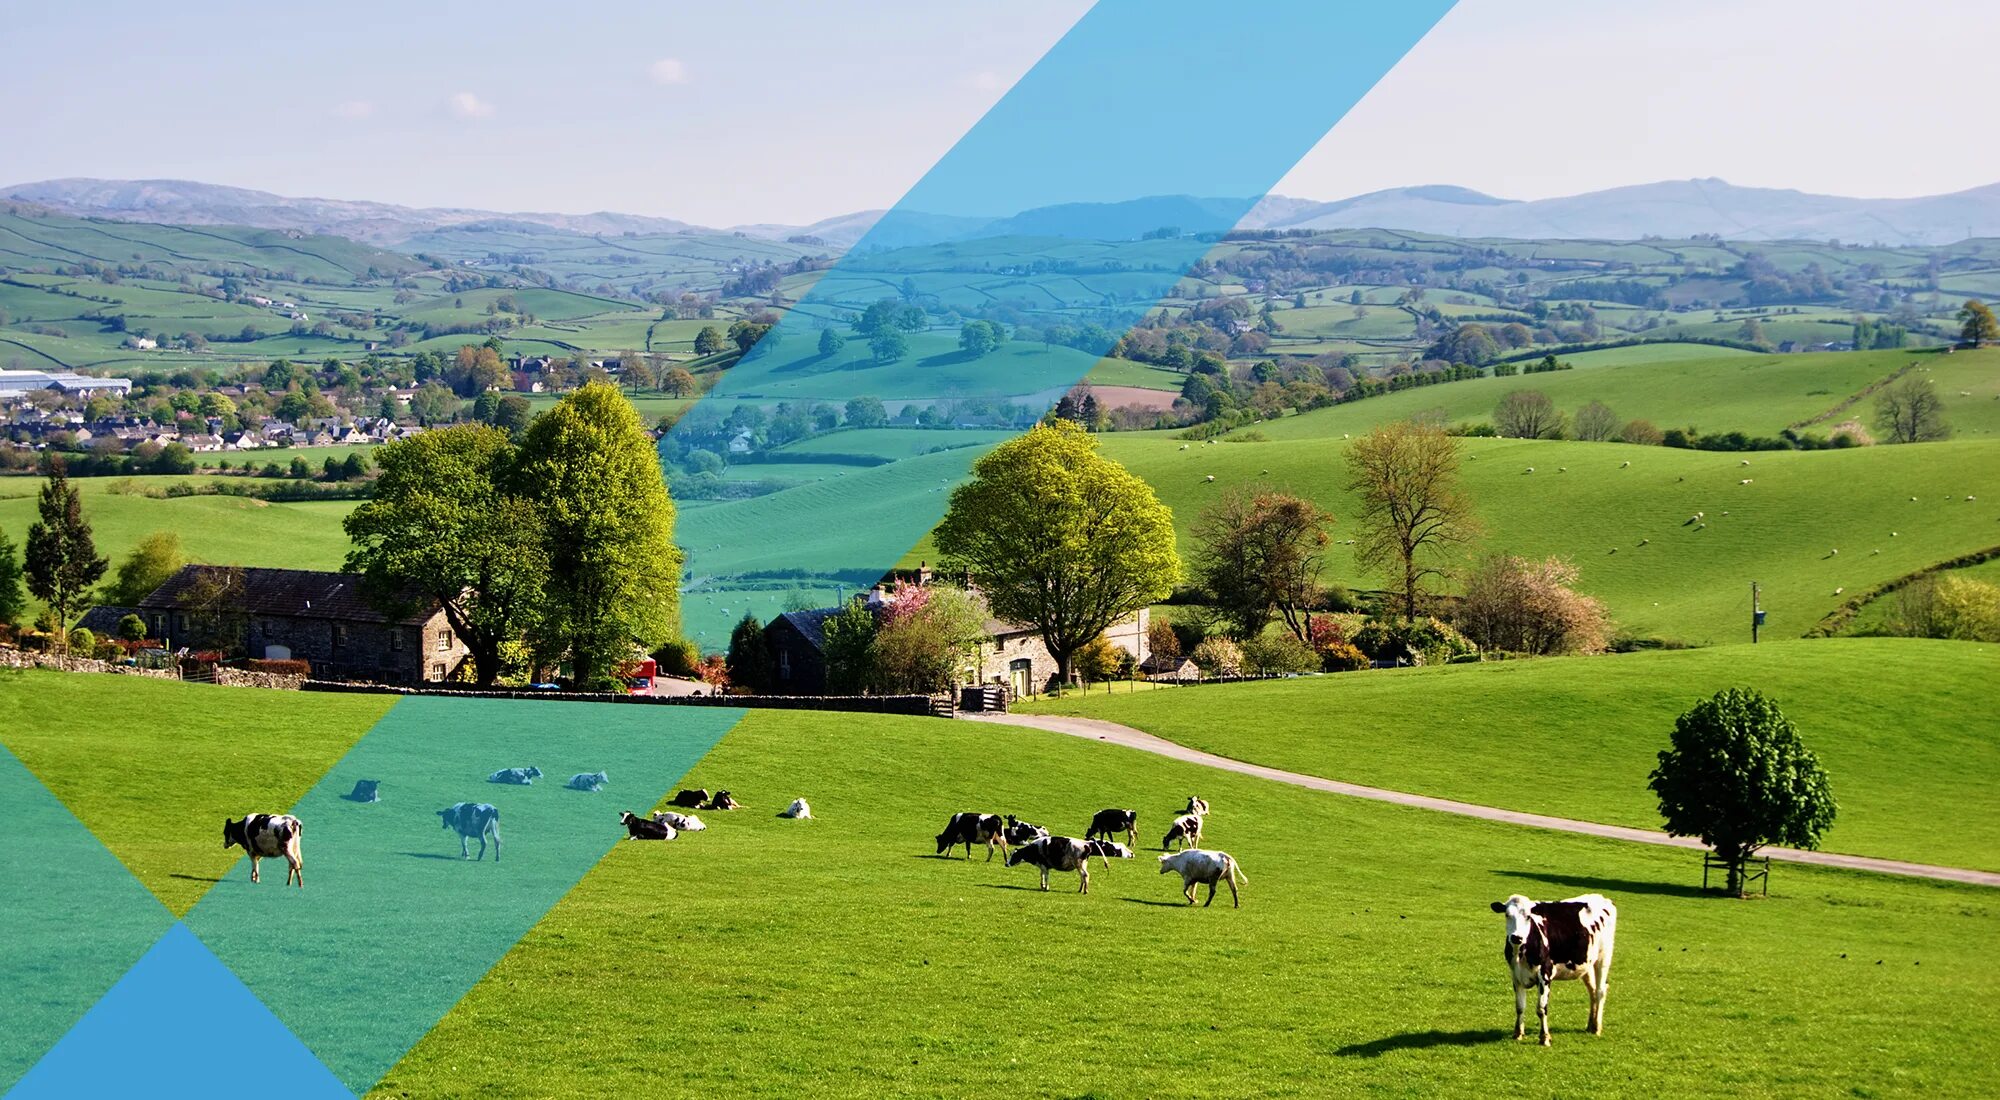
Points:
[(1364, 959), (1576, 737)]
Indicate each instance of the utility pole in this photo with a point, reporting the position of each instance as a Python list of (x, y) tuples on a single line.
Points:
[(1756, 613)]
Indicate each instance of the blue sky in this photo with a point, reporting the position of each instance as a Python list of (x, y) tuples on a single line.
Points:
[(792, 111)]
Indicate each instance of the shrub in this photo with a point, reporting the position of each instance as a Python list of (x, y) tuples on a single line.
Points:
[(1429, 640), (1098, 661), (292, 667), (679, 657), (1161, 641), (82, 641), (1531, 607), (1342, 657), (1279, 653), (132, 628), (108, 650), (1218, 656)]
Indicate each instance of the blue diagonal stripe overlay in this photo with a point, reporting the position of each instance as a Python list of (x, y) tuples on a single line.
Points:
[(1067, 214), (1045, 216)]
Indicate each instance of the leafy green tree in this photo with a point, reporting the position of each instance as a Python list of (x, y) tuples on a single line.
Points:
[(444, 526), (749, 660), (1411, 509), (1258, 554), (1976, 323), (1738, 776), (866, 412), (679, 382), (889, 346), (62, 562), (830, 342), (132, 628), (608, 529), (977, 338), (13, 601), (300, 468), (925, 640), (849, 648), (708, 341), (157, 557), (1060, 537), (745, 334)]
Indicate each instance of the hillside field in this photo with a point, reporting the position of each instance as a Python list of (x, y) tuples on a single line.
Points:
[(1576, 737), (1363, 960)]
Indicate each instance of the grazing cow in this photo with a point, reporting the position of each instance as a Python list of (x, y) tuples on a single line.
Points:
[(799, 810), (1109, 823), (588, 781), (690, 800), (1196, 806), (645, 828), (681, 823), (1056, 853), (1186, 829), (520, 777), (973, 828), (1553, 941), (723, 800), (473, 819), (1021, 832), (1108, 850), (267, 835), (1197, 866)]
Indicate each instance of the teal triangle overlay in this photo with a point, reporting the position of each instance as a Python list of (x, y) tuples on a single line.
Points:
[(72, 919), (392, 926), (180, 1024)]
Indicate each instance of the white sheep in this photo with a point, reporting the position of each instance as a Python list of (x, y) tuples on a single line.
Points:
[(1614, 549), (1211, 477), (1745, 481), (1969, 496), (1892, 534), (1838, 591), (1183, 446), (1529, 470), (1913, 500), (1625, 465), (1833, 553), (1643, 542), (1746, 462), (1565, 469)]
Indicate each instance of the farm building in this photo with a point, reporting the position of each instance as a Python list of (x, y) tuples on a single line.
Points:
[(1012, 655), (298, 614), (19, 383)]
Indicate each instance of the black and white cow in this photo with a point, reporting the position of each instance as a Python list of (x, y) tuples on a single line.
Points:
[(723, 800), (681, 823), (588, 781), (267, 836), (1186, 830), (1553, 941), (521, 777), (1056, 853), (1021, 832), (1109, 823), (473, 819), (1107, 850), (645, 828), (973, 828), (690, 799), (1196, 806)]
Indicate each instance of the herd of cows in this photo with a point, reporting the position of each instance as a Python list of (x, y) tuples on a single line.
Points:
[(1546, 942)]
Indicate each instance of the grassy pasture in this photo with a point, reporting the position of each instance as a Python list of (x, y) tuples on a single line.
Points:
[(1495, 734)]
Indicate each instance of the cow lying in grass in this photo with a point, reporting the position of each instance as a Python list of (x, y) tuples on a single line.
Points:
[(1021, 832), (690, 799), (1056, 853), (1107, 850), (1109, 823), (973, 828), (1196, 866), (1553, 941), (588, 781), (520, 777), (645, 828), (723, 800), (473, 819), (680, 823), (799, 810), (267, 835)]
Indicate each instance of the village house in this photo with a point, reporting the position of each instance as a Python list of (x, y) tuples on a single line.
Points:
[(297, 614)]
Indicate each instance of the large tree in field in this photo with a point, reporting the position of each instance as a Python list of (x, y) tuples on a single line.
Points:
[(608, 530), (444, 525), (13, 601), (1738, 777), (1977, 324), (1910, 411), (62, 561), (1258, 553), (1528, 414), (1059, 537), (1412, 510)]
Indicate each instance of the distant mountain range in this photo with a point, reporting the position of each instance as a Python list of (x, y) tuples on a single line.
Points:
[(1671, 209)]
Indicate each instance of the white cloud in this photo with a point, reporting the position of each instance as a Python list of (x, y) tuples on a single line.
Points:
[(668, 70), (468, 105), (986, 81), (354, 108)]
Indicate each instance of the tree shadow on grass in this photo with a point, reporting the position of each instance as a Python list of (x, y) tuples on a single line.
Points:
[(1611, 885), (1421, 1040)]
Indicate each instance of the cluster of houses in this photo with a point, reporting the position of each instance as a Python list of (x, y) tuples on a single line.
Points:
[(32, 428)]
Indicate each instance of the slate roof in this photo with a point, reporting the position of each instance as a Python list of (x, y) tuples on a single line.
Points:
[(291, 593), (103, 620), (811, 624)]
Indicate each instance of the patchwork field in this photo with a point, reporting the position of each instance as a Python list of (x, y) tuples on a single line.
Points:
[(1576, 737), (1363, 960)]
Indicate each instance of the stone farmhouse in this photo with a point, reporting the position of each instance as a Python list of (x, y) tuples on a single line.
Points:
[(298, 614)]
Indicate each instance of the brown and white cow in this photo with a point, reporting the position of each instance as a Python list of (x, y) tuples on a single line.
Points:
[(1553, 941), (973, 828), (1056, 853), (267, 836)]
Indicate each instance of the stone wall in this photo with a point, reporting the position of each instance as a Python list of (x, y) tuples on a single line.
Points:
[(238, 677), (20, 658)]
